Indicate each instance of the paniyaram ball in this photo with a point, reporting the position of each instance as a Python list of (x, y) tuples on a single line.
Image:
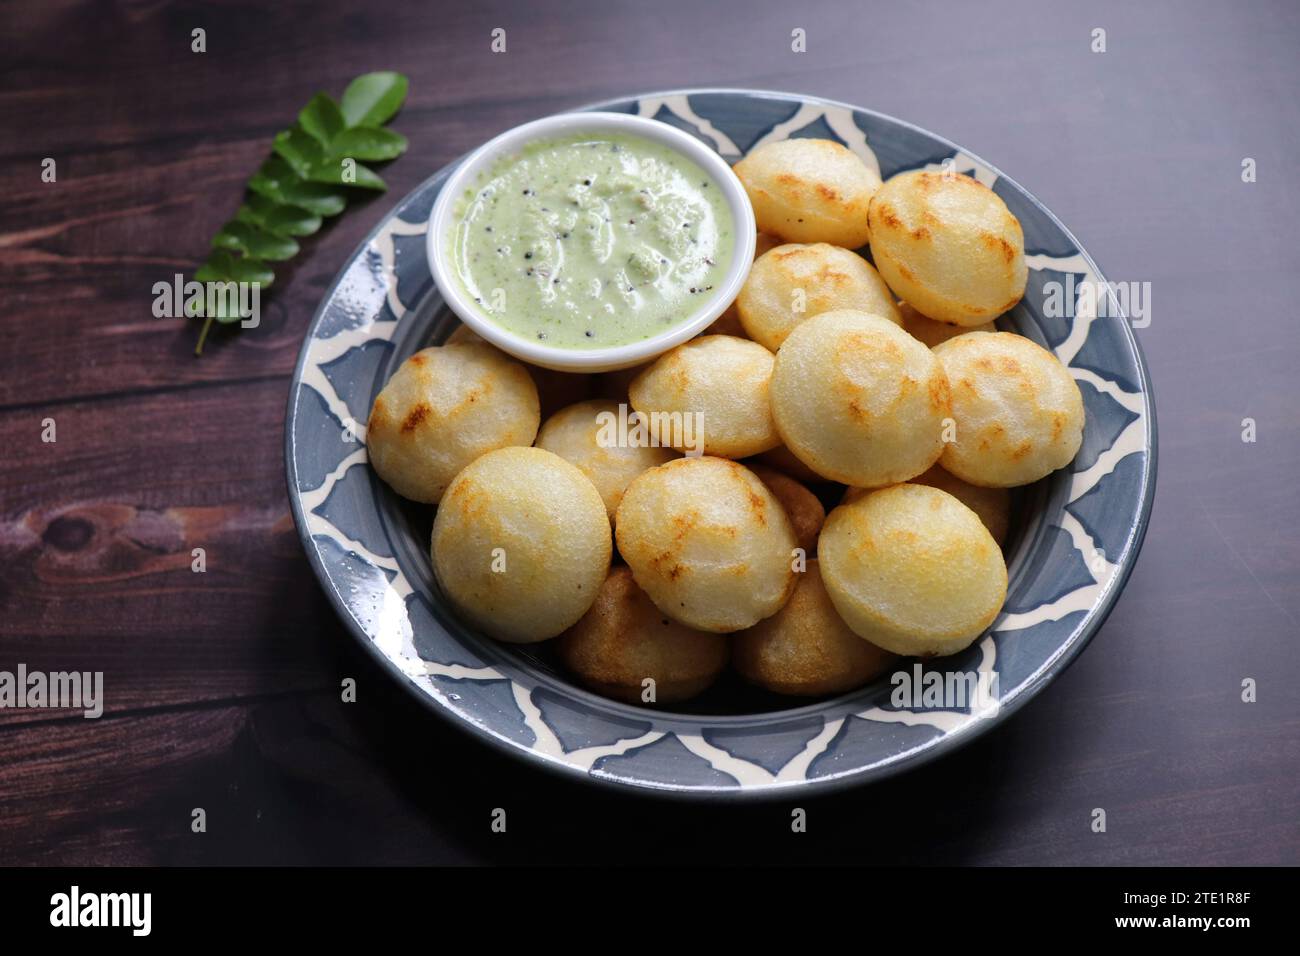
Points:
[(587, 435), (858, 400), (714, 387), (948, 245), (809, 190), (927, 330), (993, 505), (801, 506), (805, 648), (1018, 411), (442, 409), (912, 569), (521, 544), (623, 641), (792, 283), (707, 541)]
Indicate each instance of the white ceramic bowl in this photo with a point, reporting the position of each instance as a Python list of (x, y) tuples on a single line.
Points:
[(443, 220)]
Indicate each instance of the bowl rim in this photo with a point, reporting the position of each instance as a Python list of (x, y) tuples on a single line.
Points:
[(631, 789), (442, 220)]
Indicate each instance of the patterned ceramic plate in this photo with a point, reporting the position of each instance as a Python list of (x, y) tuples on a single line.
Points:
[(1078, 534)]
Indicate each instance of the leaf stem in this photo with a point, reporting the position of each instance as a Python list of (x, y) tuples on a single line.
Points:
[(207, 324)]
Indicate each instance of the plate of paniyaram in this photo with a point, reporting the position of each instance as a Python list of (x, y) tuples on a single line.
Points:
[(721, 444)]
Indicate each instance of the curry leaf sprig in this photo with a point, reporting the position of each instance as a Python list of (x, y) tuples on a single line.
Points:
[(314, 167)]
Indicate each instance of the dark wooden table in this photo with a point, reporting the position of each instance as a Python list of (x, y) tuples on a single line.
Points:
[(222, 688)]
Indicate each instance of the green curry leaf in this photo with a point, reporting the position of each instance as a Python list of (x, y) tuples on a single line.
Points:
[(345, 172), (298, 149), (315, 165), (372, 98), (221, 266), (255, 242), (322, 118), (275, 180), (284, 219), (371, 143)]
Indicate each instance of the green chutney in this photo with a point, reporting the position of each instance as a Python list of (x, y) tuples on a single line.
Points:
[(593, 240)]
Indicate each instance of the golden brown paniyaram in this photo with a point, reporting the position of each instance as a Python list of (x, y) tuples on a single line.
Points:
[(806, 648), (626, 648), (801, 506), (581, 435), (707, 541), (912, 569), (1018, 411), (948, 245), (521, 543), (794, 282), (858, 400), (809, 190), (721, 379), (442, 409)]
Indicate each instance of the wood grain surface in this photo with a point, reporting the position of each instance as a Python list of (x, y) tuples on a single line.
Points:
[(222, 688)]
